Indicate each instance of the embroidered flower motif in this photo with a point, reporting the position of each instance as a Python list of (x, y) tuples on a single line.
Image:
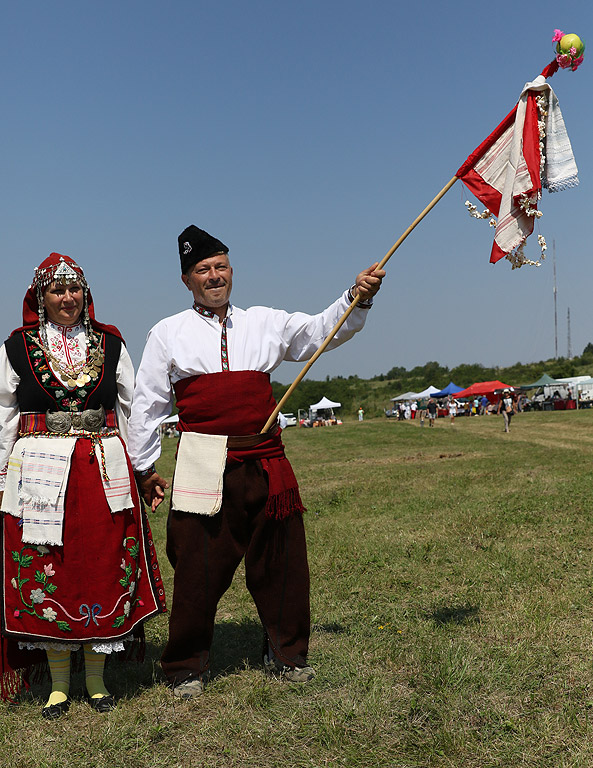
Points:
[(17, 614), (127, 606), (49, 614), (132, 588), (140, 603), (13, 582), (37, 596), (59, 393), (45, 377), (49, 570), (123, 564), (43, 550)]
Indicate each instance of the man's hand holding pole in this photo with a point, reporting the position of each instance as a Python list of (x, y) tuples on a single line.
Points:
[(368, 282)]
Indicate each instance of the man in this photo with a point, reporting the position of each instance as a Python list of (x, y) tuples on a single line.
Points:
[(234, 492), (432, 411)]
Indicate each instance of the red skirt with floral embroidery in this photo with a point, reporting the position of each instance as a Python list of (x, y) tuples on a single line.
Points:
[(99, 585)]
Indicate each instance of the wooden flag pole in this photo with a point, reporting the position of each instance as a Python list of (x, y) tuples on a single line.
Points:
[(355, 301)]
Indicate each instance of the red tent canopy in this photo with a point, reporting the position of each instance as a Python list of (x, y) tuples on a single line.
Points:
[(481, 388)]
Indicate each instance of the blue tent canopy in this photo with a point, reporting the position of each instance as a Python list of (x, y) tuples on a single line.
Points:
[(450, 389)]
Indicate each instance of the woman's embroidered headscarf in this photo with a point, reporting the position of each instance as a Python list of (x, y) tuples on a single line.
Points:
[(64, 270)]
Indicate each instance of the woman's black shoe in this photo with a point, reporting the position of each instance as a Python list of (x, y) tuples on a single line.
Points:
[(53, 711), (104, 704)]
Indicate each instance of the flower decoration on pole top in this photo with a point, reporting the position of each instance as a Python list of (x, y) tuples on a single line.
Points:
[(570, 50)]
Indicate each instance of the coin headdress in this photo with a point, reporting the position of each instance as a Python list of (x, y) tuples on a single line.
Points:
[(64, 271)]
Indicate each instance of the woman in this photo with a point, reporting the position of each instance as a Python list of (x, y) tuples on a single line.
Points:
[(79, 563), (506, 406), (452, 406)]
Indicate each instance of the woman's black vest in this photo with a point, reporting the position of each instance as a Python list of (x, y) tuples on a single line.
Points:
[(39, 390)]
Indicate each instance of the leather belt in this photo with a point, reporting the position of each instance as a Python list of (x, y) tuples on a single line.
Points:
[(235, 442)]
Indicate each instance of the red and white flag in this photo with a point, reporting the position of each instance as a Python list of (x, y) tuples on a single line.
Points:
[(528, 151)]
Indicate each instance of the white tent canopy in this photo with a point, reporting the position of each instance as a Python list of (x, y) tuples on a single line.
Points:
[(428, 392), (406, 396), (323, 404)]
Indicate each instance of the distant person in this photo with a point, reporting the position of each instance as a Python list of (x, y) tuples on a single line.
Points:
[(360, 414), (506, 407), (422, 412), (414, 408), (432, 411), (215, 360), (452, 406), (484, 403)]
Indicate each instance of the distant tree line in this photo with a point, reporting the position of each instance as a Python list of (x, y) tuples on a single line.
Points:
[(375, 393)]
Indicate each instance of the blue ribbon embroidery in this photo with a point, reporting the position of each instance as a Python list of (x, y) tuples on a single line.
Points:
[(90, 613)]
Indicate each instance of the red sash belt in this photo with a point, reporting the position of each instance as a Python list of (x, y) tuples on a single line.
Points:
[(238, 403)]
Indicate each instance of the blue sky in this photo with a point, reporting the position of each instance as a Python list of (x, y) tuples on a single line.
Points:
[(307, 136)]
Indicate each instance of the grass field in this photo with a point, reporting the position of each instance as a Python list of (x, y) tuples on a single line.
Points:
[(452, 574)]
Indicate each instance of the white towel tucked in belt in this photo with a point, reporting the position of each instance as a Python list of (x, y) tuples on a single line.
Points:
[(197, 485), (117, 489), (36, 487), (37, 479)]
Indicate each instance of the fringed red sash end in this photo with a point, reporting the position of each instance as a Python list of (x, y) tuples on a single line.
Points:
[(10, 685), (284, 499)]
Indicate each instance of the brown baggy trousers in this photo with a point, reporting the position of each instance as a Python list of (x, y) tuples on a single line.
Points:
[(205, 553)]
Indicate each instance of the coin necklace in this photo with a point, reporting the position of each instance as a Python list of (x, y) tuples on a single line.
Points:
[(80, 374)]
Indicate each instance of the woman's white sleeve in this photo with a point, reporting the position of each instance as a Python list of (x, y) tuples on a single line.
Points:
[(9, 412), (124, 376)]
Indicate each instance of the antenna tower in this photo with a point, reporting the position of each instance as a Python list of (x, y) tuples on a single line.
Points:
[(555, 304)]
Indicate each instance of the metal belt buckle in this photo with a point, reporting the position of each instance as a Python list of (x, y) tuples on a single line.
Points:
[(58, 421), (92, 421), (61, 421)]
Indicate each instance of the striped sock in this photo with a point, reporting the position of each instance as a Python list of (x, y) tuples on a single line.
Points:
[(59, 667), (94, 664)]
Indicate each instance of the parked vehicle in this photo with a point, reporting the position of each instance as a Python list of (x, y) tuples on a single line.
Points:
[(290, 419)]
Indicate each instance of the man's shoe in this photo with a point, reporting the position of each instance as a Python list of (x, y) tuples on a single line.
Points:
[(273, 668), (53, 711), (190, 688)]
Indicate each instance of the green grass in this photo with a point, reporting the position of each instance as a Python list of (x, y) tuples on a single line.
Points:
[(452, 580)]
